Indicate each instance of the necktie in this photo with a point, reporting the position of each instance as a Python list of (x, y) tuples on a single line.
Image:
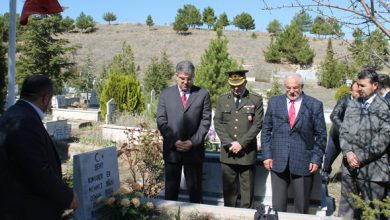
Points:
[(237, 101), (291, 114), (365, 106), (184, 99)]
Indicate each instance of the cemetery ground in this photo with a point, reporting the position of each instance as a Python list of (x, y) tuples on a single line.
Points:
[(90, 138)]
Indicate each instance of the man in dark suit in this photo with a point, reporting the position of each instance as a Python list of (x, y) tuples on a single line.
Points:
[(293, 141), (31, 185), (337, 117), (364, 141), (237, 121), (184, 118), (384, 86)]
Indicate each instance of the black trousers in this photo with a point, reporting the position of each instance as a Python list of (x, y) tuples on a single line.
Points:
[(193, 177), (302, 186), (331, 152)]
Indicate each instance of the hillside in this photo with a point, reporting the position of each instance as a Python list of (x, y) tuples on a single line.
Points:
[(108, 39)]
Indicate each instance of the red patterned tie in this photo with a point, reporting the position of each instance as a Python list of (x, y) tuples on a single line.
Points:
[(291, 114), (184, 99)]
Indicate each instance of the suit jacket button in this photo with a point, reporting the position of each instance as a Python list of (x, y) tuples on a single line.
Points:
[(235, 135), (236, 119), (235, 128)]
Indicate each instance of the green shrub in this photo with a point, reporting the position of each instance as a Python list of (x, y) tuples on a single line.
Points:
[(126, 91), (341, 91), (370, 209), (276, 90)]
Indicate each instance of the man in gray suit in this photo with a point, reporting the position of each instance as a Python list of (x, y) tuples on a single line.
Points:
[(364, 139), (184, 118), (293, 141)]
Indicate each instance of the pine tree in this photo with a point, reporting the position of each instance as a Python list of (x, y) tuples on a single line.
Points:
[(272, 54), (370, 51), (295, 46), (274, 27), (303, 20), (123, 63), (109, 16), (43, 53), (222, 21), (159, 74), (85, 22), (208, 17), (126, 91), (3, 72), (68, 24), (149, 21), (84, 81), (328, 76), (180, 25), (211, 73), (244, 21)]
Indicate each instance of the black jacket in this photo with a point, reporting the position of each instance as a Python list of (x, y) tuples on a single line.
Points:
[(31, 185)]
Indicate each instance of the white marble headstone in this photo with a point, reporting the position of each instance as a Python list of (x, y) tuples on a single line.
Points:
[(95, 174)]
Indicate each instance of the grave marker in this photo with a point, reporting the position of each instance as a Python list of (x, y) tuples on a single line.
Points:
[(95, 174)]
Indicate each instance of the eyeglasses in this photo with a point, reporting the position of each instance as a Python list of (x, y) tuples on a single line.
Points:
[(188, 79), (292, 88)]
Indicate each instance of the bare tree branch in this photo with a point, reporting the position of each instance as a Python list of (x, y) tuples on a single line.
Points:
[(360, 8)]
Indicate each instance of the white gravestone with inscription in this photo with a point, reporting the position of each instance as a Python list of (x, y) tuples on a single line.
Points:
[(95, 174)]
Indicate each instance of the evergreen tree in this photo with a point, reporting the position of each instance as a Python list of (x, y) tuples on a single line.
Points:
[(3, 72), (335, 27), (272, 54), (191, 15), (123, 63), (274, 27), (159, 74), (126, 91), (85, 22), (109, 16), (211, 73), (319, 26), (68, 24), (303, 20), (180, 25), (292, 45), (328, 76), (149, 21), (244, 21), (41, 51), (84, 82), (222, 21), (208, 17), (370, 51)]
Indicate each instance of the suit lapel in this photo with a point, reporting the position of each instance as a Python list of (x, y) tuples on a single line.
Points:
[(193, 95), (302, 110)]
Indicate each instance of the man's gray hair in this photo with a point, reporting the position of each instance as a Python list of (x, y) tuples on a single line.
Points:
[(293, 75), (185, 66)]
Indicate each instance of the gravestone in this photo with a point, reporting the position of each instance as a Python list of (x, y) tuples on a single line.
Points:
[(93, 102), (58, 101), (59, 129), (110, 111), (95, 174)]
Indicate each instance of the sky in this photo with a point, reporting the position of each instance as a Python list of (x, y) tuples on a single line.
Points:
[(163, 12)]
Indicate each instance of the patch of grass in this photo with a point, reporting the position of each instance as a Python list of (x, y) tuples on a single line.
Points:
[(92, 135)]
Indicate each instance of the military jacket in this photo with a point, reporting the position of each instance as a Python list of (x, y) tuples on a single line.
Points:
[(240, 124)]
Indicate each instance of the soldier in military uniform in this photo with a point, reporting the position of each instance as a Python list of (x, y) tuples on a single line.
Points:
[(238, 120)]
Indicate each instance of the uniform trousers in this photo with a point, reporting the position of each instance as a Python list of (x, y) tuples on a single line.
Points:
[(238, 180)]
